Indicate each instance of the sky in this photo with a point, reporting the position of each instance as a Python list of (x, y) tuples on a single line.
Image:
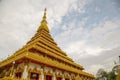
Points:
[(87, 30)]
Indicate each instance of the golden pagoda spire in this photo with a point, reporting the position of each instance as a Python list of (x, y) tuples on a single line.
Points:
[(43, 23), (44, 17)]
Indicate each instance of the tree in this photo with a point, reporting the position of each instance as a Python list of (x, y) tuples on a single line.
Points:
[(111, 75), (101, 74)]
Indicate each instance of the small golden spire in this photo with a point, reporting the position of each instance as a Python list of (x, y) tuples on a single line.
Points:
[(44, 17), (44, 22)]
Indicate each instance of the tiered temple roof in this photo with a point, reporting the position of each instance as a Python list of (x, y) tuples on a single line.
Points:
[(42, 49)]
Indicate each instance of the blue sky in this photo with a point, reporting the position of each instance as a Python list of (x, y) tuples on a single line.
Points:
[(87, 30)]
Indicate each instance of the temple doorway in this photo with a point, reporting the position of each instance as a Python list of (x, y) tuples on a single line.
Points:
[(59, 78)]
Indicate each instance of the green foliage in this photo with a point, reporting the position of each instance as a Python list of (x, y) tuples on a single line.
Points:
[(111, 76), (103, 75)]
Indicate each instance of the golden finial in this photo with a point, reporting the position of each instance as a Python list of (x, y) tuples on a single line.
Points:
[(45, 10), (44, 22), (44, 17)]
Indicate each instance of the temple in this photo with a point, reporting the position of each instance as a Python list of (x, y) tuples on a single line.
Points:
[(41, 59)]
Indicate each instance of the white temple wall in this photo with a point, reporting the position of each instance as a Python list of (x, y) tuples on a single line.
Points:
[(45, 69)]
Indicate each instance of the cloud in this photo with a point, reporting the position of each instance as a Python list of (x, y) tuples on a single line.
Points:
[(97, 9), (106, 34), (105, 60), (20, 19), (91, 40), (79, 6), (97, 47), (95, 68)]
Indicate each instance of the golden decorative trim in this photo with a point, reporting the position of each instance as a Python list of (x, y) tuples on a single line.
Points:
[(59, 75), (34, 71)]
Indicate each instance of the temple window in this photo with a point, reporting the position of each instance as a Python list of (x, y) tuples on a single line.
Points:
[(34, 76), (59, 78), (48, 77), (67, 79)]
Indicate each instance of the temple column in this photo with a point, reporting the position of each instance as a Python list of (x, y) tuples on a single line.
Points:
[(25, 72), (63, 78), (54, 76), (43, 75), (40, 77), (12, 71)]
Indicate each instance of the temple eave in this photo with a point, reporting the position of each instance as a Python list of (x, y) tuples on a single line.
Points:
[(55, 64), (44, 60)]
